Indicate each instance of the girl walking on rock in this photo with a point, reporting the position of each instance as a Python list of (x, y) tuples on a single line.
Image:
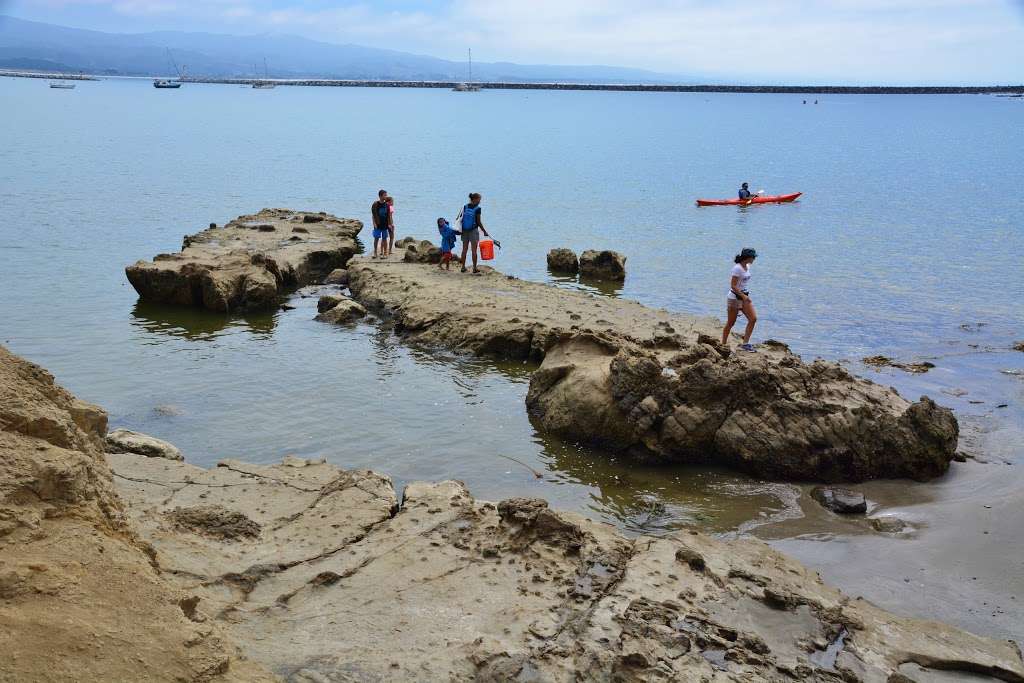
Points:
[(738, 300)]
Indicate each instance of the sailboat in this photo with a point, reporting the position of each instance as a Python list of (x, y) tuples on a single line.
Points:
[(468, 86), (265, 84), (167, 84), (62, 85)]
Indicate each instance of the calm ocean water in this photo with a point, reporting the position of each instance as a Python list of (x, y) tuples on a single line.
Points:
[(908, 242)]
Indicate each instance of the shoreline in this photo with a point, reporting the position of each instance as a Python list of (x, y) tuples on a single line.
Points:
[(612, 87), (305, 572)]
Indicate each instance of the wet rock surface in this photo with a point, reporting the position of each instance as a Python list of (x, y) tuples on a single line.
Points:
[(339, 310), (247, 264), (563, 261), (80, 596), (603, 265), (338, 276), (886, 362), (840, 500), (660, 386)]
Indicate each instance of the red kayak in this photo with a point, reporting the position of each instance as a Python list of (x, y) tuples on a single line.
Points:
[(766, 199)]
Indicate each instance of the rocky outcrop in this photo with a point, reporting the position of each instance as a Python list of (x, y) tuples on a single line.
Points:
[(338, 276), (81, 598), (767, 413), (603, 265), (563, 262), (660, 387), (322, 574), (840, 500), (127, 441), (250, 262), (885, 362), (504, 317), (419, 251), (344, 310)]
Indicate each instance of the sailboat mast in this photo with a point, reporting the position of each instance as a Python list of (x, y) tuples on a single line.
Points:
[(470, 65)]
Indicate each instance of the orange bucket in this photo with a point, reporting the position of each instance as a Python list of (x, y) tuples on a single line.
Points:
[(486, 249)]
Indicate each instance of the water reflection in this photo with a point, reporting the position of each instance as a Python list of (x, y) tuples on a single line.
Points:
[(197, 324), (659, 499), (609, 288)]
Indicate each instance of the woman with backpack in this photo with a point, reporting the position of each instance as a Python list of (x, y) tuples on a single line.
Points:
[(471, 225)]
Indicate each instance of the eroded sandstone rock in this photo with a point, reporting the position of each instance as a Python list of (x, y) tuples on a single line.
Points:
[(338, 276), (603, 265), (249, 263), (321, 574), (344, 311), (345, 582), (127, 441), (766, 413), (840, 500), (80, 596), (422, 251), (563, 261)]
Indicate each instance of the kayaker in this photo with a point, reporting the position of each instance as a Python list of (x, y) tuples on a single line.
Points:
[(745, 192), (472, 225), (738, 300)]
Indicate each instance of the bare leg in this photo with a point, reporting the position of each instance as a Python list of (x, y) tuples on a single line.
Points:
[(474, 258), (391, 241), (376, 241), (751, 315), (465, 248), (730, 321)]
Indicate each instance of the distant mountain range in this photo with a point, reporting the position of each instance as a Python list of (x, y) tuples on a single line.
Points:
[(40, 46)]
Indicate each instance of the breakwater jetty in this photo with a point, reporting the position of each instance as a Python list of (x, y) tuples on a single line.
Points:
[(614, 87), (647, 87), (48, 75)]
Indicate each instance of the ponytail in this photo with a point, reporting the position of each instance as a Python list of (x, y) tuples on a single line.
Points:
[(737, 259)]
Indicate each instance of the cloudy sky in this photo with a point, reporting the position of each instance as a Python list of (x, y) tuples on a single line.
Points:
[(841, 41)]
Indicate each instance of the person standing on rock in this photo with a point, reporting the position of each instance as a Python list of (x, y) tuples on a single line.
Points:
[(391, 223), (472, 225), (380, 212), (738, 300)]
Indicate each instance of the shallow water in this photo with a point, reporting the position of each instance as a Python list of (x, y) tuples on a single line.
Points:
[(907, 243)]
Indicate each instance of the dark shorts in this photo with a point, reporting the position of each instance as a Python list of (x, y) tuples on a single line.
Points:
[(471, 236)]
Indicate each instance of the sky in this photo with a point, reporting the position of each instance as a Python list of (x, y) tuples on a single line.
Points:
[(785, 41)]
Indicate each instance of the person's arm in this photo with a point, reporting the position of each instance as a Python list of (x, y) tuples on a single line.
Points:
[(480, 223), (373, 214)]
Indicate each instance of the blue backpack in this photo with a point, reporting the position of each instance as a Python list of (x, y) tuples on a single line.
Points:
[(469, 216)]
